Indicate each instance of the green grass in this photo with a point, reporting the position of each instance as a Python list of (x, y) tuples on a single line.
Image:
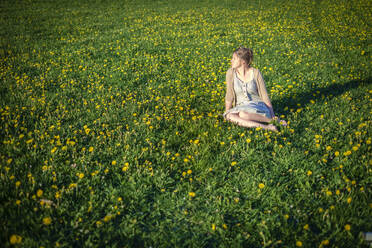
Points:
[(112, 135)]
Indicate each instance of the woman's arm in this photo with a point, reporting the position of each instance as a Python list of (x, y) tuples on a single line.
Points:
[(229, 98), (263, 93)]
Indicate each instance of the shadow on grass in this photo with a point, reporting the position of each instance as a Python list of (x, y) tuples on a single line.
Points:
[(328, 92)]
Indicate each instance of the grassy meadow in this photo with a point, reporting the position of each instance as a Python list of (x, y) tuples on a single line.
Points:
[(112, 132)]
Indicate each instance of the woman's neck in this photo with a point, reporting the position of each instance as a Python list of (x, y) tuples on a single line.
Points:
[(243, 70)]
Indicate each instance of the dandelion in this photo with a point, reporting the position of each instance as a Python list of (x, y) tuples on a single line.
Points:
[(107, 218), (39, 193), (189, 172), (15, 239), (213, 227), (347, 153), (347, 227), (309, 172), (337, 153), (192, 194), (261, 185), (349, 200), (306, 227), (113, 162), (91, 149), (325, 242), (53, 150), (47, 221), (298, 243), (233, 163)]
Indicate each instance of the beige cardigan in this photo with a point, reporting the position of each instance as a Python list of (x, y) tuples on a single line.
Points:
[(230, 99)]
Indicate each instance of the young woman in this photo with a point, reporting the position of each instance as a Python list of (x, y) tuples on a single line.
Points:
[(247, 102)]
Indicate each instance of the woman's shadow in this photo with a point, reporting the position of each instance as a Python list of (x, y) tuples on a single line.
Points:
[(304, 98)]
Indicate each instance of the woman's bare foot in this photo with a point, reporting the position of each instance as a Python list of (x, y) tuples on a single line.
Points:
[(281, 122), (272, 128)]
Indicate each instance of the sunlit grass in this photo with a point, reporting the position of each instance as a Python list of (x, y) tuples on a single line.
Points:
[(112, 134)]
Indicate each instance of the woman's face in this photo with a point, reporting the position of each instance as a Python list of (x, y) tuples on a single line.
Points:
[(236, 61)]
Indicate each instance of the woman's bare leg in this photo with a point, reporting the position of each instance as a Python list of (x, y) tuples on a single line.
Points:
[(260, 118), (253, 117), (249, 123)]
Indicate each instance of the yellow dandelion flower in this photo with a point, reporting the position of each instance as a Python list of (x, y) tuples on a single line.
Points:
[(347, 227), (213, 227), (298, 243), (107, 218), (91, 149), (233, 163), (39, 193), (113, 162), (325, 242), (309, 172), (53, 150), (347, 153), (47, 221), (15, 239), (192, 194), (349, 200), (261, 185)]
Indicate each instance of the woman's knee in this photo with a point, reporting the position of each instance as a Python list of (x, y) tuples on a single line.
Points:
[(245, 115), (231, 116)]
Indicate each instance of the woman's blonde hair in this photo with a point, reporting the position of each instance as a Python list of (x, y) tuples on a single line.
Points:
[(245, 54)]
